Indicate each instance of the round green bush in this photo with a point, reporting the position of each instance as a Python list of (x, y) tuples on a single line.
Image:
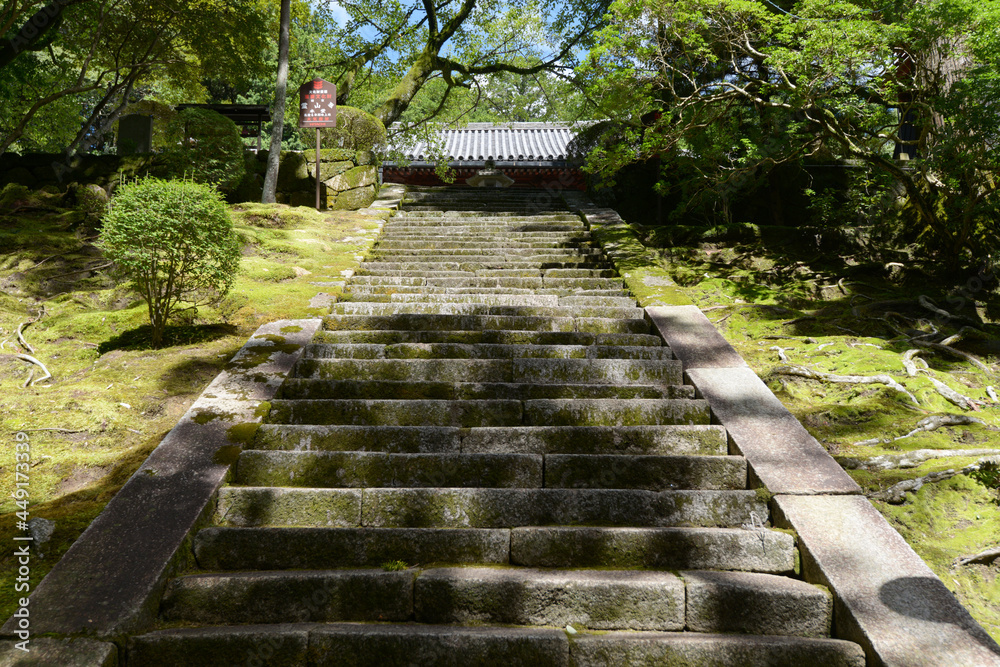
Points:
[(173, 241), (206, 147), (356, 130)]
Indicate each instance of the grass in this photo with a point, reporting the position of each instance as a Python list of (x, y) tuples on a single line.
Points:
[(112, 398), (832, 310)]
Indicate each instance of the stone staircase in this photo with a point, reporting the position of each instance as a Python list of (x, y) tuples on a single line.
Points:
[(486, 458)]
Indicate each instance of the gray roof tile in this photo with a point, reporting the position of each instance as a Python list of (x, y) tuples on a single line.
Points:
[(503, 142)]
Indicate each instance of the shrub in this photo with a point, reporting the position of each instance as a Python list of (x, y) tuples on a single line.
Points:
[(356, 130), (174, 242), (206, 147)]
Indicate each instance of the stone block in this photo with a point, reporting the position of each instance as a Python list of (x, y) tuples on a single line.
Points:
[(355, 177), (45, 651), (756, 604), (693, 338), (390, 412), (699, 439), (441, 646), (259, 506), (656, 473), (655, 548), (783, 456), (304, 437), (275, 645), (222, 548), (276, 597), (614, 412), (352, 200), (620, 648), (885, 597), (596, 599)]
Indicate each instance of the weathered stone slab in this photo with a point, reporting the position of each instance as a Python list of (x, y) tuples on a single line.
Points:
[(408, 370), (656, 473), (318, 548), (368, 645), (390, 412), (756, 604), (376, 469), (620, 648), (274, 645), (885, 596), (309, 437), (609, 371), (503, 508), (276, 597), (781, 453), (98, 587), (679, 439), (611, 412), (656, 548), (693, 338), (597, 599), (48, 652)]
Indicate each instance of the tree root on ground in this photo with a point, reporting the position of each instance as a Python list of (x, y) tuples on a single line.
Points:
[(952, 396), (984, 557), (801, 371), (931, 423), (971, 358), (909, 364), (896, 494), (31, 360)]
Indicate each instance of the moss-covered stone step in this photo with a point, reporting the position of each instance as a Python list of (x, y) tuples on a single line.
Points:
[(363, 291), (392, 273), (407, 370), (420, 322), (485, 505), (757, 604), (380, 469), (402, 645), (557, 272), (275, 597), (268, 548), (664, 440), (767, 551), (516, 266), (593, 599), (613, 412), (645, 471), (598, 371), (460, 322), (451, 308), (391, 412), (503, 508), (489, 337), (308, 388), (504, 299), (618, 370), (481, 250)]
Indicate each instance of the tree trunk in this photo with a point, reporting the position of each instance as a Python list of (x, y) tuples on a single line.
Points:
[(278, 115), (407, 88)]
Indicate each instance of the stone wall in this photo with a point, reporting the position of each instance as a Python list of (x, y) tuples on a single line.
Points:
[(35, 170), (349, 178)]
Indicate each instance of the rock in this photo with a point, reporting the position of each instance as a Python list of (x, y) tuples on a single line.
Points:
[(357, 177), (354, 199)]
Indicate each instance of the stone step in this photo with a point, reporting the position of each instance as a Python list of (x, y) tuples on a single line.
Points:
[(616, 357), (464, 322), (488, 337), (481, 251), (406, 235), (536, 282), (357, 292), (308, 388), (281, 548), (404, 645), (699, 601), (552, 471), (457, 507), (480, 413), (485, 309), (272, 548), (491, 268), (663, 440)]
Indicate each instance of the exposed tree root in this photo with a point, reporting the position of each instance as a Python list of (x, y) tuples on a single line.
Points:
[(931, 423), (801, 371), (971, 358), (781, 353), (896, 494), (909, 364), (952, 396), (31, 360), (985, 557), (912, 459)]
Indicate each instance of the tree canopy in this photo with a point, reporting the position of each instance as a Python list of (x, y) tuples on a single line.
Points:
[(737, 86)]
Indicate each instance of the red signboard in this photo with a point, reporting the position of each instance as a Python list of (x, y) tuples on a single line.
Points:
[(318, 104)]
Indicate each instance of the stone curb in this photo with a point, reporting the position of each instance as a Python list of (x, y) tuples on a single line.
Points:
[(885, 597), (110, 581)]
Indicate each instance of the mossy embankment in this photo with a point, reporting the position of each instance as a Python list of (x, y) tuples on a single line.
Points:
[(787, 298), (111, 398)]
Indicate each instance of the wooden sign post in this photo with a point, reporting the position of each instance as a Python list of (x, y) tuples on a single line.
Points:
[(318, 108)]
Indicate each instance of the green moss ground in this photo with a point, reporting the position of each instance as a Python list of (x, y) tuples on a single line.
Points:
[(112, 399), (832, 311)]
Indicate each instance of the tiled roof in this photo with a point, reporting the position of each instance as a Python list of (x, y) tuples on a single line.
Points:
[(502, 142)]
